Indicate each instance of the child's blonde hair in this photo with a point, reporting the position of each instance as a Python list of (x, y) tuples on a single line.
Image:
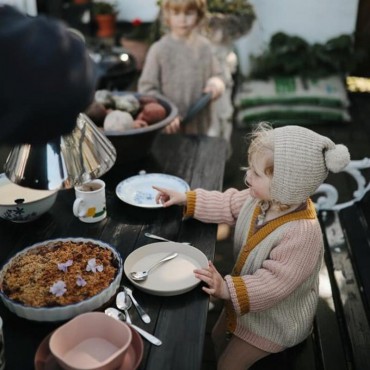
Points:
[(261, 141), (199, 5)]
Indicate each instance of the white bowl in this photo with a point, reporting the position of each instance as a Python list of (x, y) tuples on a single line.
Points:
[(60, 313), (91, 341), (19, 204)]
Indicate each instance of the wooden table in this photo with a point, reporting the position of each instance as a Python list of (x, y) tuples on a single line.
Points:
[(179, 321)]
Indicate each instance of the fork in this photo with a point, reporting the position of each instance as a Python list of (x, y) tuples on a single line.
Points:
[(149, 235)]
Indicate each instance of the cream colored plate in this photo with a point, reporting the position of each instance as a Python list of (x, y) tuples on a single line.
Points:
[(171, 278)]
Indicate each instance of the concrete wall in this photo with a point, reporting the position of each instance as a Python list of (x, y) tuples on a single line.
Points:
[(26, 6), (146, 10), (313, 20)]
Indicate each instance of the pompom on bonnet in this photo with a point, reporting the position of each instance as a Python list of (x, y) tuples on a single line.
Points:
[(302, 161)]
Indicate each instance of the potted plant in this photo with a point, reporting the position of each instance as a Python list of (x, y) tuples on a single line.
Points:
[(104, 14)]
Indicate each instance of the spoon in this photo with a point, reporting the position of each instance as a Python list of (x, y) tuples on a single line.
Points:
[(149, 235), (124, 303), (142, 275), (118, 315), (144, 316)]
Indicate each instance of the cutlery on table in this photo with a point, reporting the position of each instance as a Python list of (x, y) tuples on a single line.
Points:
[(118, 315), (152, 236), (142, 275), (123, 303), (144, 316)]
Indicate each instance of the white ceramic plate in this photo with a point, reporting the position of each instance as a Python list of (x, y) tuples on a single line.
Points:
[(173, 277), (60, 313), (138, 191)]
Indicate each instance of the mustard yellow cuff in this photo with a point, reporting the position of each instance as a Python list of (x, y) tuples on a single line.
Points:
[(241, 293), (190, 203)]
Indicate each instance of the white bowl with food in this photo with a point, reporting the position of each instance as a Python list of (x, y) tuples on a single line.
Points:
[(57, 279), (20, 204)]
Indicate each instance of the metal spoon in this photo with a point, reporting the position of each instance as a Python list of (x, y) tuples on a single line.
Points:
[(118, 315), (142, 275), (123, 302), (152, 236), (144, 316)]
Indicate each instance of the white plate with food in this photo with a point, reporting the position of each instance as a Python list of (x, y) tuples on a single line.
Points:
[(171, 278), (138, 190), (57, 279)]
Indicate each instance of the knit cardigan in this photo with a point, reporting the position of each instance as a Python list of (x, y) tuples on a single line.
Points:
[(274, 283)]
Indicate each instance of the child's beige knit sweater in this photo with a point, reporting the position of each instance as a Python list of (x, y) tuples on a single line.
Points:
[(274, 283), (179, 70)]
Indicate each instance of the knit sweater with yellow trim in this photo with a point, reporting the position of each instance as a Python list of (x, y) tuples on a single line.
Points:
[(274, 283)]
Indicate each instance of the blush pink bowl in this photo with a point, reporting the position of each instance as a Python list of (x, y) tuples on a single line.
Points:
[(91, 341)]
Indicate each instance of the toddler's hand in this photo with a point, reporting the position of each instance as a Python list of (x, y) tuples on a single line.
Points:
[(169, 197), (217, 286), (173, 127)]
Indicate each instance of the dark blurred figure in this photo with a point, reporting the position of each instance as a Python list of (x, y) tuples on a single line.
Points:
[(46, 78)]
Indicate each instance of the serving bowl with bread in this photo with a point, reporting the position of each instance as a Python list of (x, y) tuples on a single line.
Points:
[(131, 121)]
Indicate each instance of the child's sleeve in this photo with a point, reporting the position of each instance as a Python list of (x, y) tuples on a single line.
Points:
[(149, 81), (214, 206)]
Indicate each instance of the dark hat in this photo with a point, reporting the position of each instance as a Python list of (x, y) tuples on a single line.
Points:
[(47, 78)]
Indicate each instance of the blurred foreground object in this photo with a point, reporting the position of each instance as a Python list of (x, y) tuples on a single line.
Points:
[(47, 78)]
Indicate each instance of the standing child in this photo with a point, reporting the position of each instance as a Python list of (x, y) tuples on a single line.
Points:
[(181, 65), (271, 295)]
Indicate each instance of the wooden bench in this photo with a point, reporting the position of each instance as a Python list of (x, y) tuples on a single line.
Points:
[(340, 337)]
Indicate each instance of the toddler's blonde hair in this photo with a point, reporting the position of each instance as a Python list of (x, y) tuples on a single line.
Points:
[(261, 141), (199, 5)]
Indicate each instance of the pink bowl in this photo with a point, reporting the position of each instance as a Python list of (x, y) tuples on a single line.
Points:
[(91, 341)]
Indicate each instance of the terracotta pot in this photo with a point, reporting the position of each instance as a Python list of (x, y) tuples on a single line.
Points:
[(138, 49), (106, 25)]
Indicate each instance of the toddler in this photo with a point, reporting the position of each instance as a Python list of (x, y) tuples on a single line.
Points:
[(181, 65), (272, 292)]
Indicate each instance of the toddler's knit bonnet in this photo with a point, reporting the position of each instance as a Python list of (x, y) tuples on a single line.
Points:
[(302, 161)]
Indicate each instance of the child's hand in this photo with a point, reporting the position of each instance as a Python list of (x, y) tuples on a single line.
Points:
[(173, 127), (169, 197), (215, 86), (217, 286)]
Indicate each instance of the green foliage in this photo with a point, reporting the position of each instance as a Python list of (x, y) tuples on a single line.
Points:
[(293, 56), (239, 7), (101, 7)]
